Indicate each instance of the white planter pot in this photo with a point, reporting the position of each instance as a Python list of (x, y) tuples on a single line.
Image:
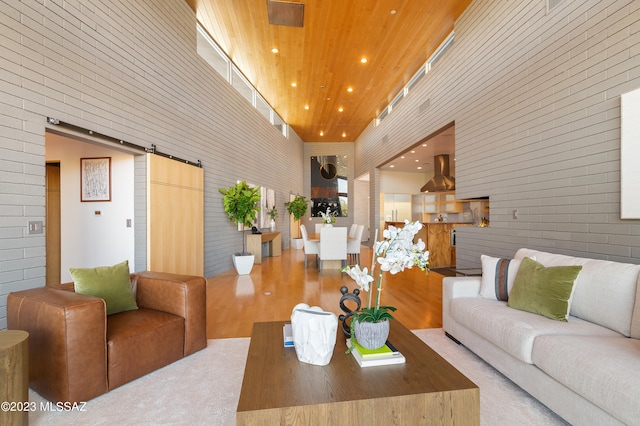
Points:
[(243, 264), (273, 225), (297, 243), (372, 335)]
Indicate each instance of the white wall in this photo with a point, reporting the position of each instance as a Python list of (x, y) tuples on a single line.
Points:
[(90, 240), (401, 182), (535, 96)]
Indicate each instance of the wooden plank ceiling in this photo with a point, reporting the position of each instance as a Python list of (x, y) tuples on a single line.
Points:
[(323, 58)]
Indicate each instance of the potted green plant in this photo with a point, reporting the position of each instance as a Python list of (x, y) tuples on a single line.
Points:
[(241, 203), (298, 208)]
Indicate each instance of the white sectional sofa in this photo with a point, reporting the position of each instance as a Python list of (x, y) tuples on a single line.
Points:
[(587, 369)]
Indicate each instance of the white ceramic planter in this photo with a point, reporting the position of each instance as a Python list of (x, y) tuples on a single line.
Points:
[(297, 243), (372, 335), (243, 264)]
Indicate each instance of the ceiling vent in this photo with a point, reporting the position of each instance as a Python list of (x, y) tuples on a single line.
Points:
[(285, 13)]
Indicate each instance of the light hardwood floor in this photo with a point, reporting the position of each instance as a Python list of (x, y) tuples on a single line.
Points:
[(274, 287)]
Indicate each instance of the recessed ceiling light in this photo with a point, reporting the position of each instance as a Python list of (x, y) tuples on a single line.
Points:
[(392, 166), (350, 89), (294, 84), (340, 109), (321, 133), (306, 107), (275, 50), (344, 134), (417, 161), (413, 152), (363, 60), (402, 156), (419, 167), (424, 144), (393, 11)]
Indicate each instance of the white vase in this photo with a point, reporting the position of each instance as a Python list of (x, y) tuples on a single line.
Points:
[(372, 335), (273, 225), (327, 225)]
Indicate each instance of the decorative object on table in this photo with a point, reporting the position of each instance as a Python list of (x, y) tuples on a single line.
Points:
[(328, 217), (241, 203), (273, 214), (314, 333), (348, 312), (394, 253), (298, 208)]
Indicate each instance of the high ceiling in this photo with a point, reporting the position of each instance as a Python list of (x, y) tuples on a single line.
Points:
[(324, 57)]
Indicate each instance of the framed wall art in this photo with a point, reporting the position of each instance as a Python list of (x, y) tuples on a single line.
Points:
[(95, 179)]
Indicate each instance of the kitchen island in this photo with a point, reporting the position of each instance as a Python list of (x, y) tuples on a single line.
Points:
[(438, 238)]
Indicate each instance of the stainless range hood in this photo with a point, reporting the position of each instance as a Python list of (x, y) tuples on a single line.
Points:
[(442, 180)]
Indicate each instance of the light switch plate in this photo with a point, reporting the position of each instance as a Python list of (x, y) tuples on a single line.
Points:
[(35, 227)]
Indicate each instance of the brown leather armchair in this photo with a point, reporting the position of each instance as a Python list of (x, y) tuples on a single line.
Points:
[(77, 352)]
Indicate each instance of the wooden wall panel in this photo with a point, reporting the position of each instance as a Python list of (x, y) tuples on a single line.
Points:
[(175, 217)]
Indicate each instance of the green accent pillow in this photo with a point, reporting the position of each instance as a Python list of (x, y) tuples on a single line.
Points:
[(542, 290), (111, 283)]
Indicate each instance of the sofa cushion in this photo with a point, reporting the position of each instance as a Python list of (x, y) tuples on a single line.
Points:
[(604, 291), (545, 291), (603, 370), (498, 275), (142, 341), (515, 331), (110, 283)]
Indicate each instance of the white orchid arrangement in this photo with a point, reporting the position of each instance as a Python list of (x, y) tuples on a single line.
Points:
[(328, 216), (395, 253)]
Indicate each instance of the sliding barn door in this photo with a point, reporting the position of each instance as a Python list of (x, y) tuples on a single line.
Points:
[(175, 217)]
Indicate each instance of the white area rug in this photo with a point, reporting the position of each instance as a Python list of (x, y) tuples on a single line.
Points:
[(204, 389)]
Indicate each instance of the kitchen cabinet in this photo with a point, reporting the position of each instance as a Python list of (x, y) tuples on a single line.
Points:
[(396, 207), (435, 203)]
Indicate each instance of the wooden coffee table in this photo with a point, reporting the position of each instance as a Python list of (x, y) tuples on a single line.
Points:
[(279, 389)]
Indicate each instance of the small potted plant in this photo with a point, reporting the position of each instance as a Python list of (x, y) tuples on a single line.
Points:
[(298, 208), (328, 217), (273, 214), (241, 203)]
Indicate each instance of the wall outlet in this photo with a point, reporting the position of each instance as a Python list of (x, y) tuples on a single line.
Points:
[(515, 214)]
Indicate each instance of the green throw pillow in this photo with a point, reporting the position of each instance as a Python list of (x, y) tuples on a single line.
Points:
[(542, 290), (111, 283)]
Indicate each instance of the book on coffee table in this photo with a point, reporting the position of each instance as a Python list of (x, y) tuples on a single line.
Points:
[(371, 360), (287, 335), (385, 351)]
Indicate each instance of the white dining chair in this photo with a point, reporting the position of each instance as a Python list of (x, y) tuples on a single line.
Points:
[(354, 244), (333, 245), (319, 226), (353, 230), (310, 247)]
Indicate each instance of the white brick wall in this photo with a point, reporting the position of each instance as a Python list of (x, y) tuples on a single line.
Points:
[(536, 102), (128, 70)]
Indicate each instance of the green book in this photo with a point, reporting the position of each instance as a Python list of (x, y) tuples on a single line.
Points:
[(387, 350)]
